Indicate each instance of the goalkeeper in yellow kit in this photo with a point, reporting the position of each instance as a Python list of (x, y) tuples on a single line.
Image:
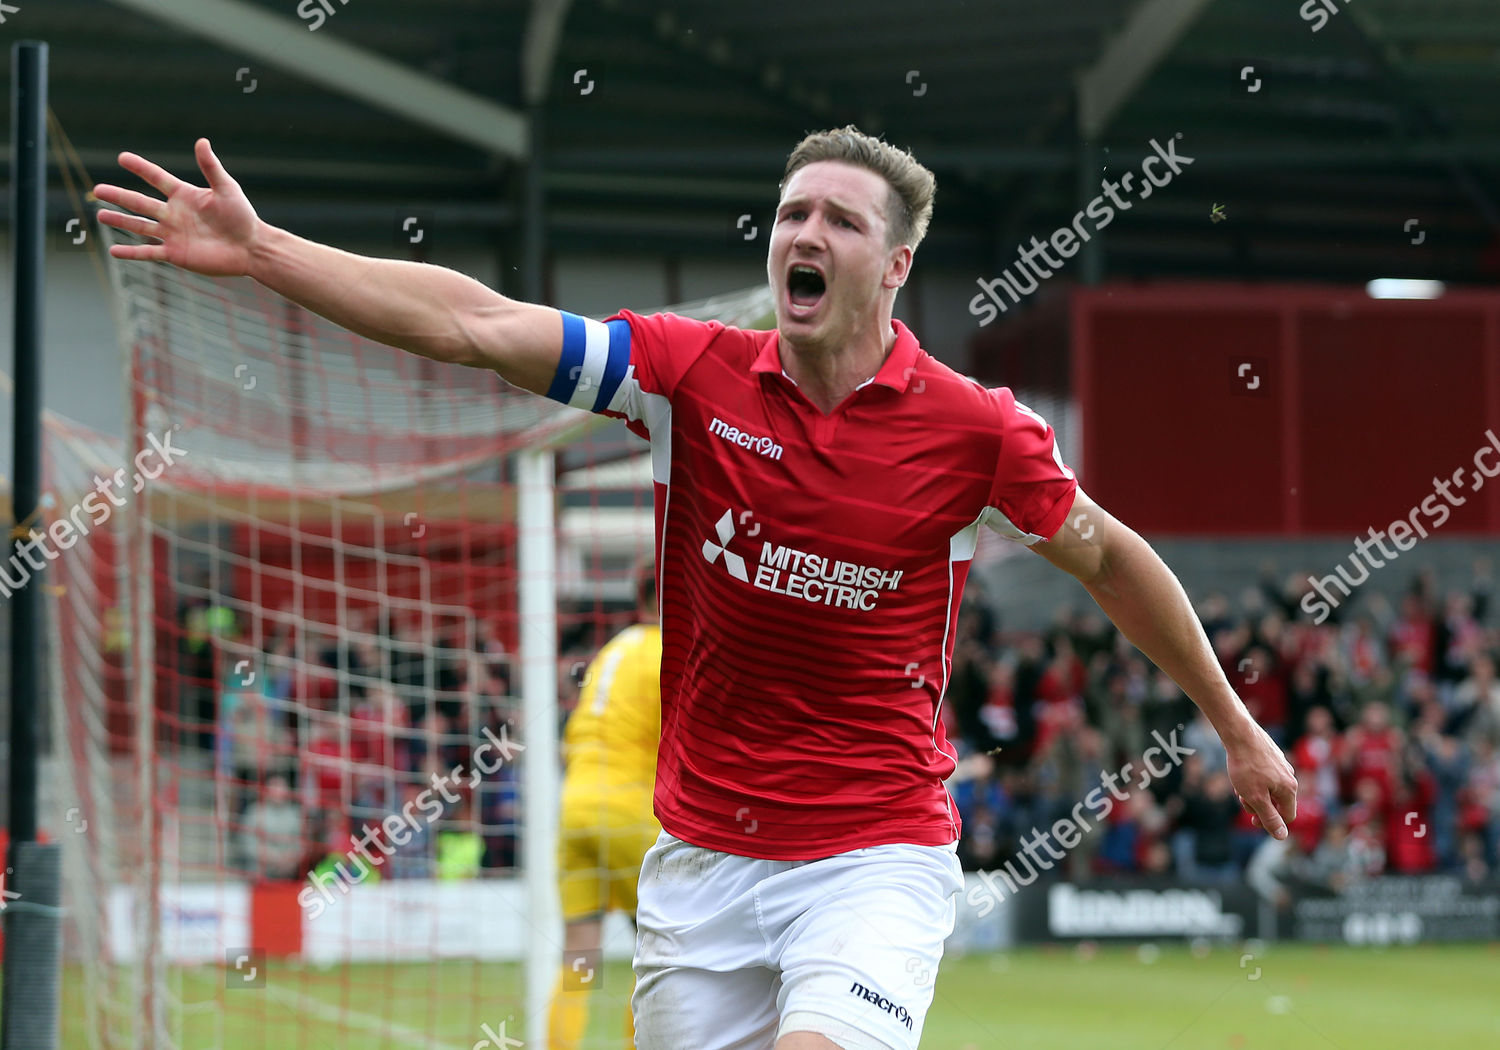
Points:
[(609, 749)]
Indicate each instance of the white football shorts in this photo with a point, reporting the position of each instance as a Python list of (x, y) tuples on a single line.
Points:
[(733, 952)]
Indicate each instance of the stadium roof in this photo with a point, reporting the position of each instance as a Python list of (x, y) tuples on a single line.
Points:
[(659, 124)]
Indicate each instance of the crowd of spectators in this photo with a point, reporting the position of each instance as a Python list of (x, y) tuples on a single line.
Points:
[(1391, 716), (317, 739)]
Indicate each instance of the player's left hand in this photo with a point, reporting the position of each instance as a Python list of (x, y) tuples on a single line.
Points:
[(1263, 779)]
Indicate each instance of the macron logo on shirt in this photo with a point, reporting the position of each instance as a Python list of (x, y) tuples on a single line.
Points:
[(735, 436)]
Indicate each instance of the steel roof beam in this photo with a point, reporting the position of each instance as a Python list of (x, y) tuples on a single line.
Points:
[(319, 57), (1152, 31), (543, 35)]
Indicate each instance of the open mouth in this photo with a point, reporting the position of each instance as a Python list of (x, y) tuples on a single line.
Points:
[(805, 286)]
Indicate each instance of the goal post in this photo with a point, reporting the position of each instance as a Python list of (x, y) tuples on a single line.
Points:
[(538, 608)]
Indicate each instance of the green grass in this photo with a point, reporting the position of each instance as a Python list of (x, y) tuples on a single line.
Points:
[(1302, 998)]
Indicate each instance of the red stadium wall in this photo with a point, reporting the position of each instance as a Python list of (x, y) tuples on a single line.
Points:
[(1229, 410)]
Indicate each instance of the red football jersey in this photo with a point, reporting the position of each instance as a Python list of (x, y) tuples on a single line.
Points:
[(810, 569)]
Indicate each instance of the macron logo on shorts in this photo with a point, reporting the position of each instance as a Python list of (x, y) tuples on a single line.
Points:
[(900, 1013)]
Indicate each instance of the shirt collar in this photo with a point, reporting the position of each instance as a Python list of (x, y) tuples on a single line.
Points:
[(895, 372)]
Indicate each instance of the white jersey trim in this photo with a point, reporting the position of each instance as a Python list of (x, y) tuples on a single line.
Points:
[(994, 519), (961, 547), (655, 411)]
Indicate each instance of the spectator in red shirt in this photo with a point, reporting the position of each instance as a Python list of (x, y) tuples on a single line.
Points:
[(1064, 679), (327, 765), (1262, 685), (376, 725), (1319, 754), (1413, 636), (1363, 651), (1312, 813), (1407, 834), (1370, 749)]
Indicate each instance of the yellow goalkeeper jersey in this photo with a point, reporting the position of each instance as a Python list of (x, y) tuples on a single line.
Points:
[(613, 733)]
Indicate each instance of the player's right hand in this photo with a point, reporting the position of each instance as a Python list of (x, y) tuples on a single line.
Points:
[(209, 231), (1263, 780)]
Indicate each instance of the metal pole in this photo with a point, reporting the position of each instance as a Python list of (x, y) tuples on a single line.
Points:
[(540, 776), (1091, 259), (32, 916)]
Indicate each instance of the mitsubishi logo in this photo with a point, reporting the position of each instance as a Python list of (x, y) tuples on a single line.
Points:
[(711, 550)]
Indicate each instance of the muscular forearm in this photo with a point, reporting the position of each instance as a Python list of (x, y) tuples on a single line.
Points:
[(413, 306), (1140, 594), (1145, 601)]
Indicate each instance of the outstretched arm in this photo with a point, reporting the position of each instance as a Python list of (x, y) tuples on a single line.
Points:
[(428, 310), (1140, 594)]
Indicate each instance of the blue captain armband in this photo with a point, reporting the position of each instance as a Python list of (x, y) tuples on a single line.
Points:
[(595, 356)]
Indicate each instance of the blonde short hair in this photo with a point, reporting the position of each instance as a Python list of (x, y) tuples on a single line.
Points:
[(912, 185)]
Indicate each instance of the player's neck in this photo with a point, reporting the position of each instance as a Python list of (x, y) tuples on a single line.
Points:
[(827, 374)]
